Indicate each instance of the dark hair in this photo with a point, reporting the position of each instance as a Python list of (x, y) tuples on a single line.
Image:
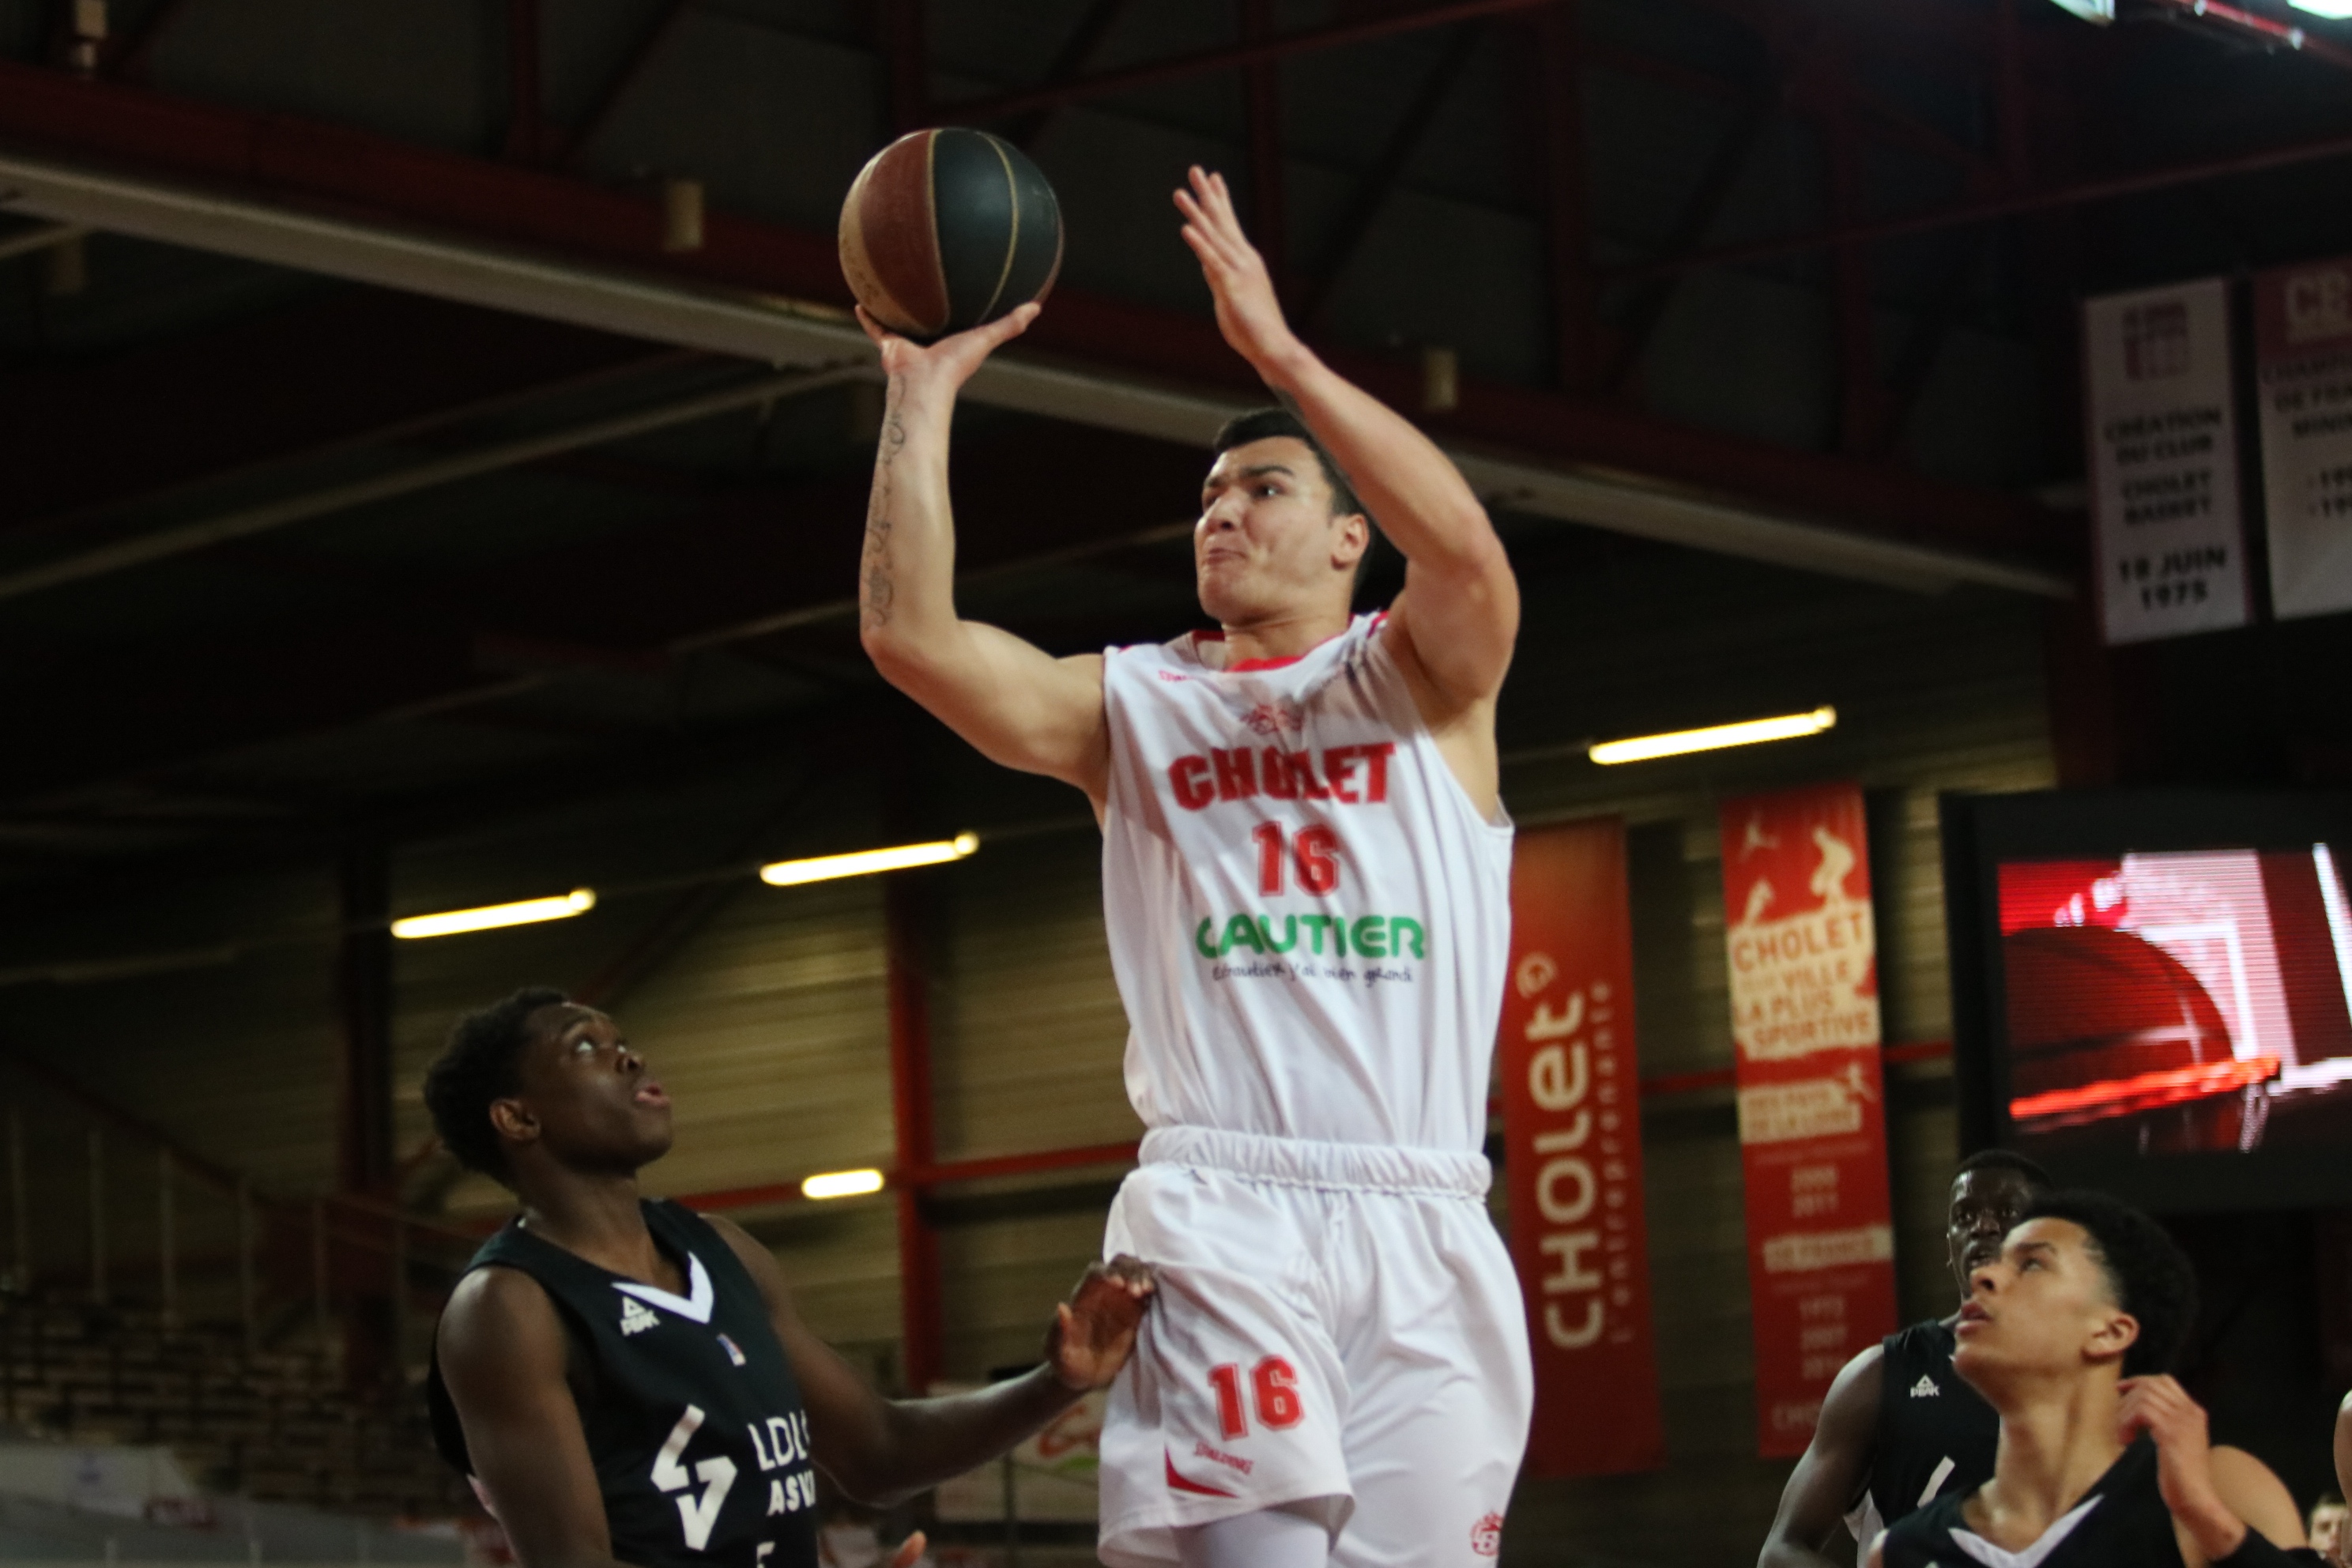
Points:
[(482, 1062), (2006, 1159), (1264, 425), (2148, 1274)]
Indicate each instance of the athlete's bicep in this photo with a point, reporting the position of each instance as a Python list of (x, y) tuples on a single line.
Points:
[(1830, 1476), (2248, 1488), (1017, 704), (501, 1350), (1460, 619)]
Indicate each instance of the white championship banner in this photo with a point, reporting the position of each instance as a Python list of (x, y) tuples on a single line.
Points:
[(2303, 357), (2164, 462)]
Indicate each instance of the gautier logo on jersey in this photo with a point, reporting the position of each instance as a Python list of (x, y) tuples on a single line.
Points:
[(1352, 776)]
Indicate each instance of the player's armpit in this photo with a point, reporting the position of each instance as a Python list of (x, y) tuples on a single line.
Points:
[(1828, 1478), (1016, 704), (849, 1423), (501, 1350)]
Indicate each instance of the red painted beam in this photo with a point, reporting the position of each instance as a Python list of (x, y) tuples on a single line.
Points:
[(1232, 57), (358, 173), (922, 1321)]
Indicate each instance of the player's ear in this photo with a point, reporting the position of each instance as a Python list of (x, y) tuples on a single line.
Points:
[(514, 1121), (1352, 536), (2115, 1334)]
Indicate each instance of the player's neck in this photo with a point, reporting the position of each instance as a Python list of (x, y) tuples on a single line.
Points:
[(2056, 1440), (1286, 633), (598, 1217)]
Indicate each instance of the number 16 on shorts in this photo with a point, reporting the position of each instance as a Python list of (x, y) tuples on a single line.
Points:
[(1273, 1383)]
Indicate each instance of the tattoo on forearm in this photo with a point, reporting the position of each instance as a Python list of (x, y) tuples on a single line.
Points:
[(875, 591)]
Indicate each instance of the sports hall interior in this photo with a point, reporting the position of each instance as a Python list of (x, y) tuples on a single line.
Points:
[(344, 578)]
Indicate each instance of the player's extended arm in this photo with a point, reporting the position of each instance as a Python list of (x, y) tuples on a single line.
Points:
[(2225, 1503), (2344, 1463), (1018, 704), (501, 1350), (1829, 1475), (1460, 611), (880, 1450)]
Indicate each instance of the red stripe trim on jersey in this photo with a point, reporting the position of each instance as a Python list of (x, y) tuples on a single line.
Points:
[(1245, 665), (1178, 1483)]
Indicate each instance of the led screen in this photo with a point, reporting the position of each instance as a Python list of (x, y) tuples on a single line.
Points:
[(2152, 989), (2178, 1001)]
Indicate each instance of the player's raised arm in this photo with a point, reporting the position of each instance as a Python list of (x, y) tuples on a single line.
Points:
[(882, 1450), (1460, 611), (1016, 703)]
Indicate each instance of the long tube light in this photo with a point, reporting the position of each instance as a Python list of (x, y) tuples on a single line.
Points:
[(842, 1185), (580, 900), (1642, 747), (866, 862)]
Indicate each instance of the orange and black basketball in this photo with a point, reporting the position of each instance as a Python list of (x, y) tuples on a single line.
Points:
[(948, 228)]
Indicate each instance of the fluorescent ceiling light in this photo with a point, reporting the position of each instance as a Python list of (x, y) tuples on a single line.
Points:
[(842, 1185), (1788, 727), (2100, 11), (866, 862), (2339, 9), (577, 902)]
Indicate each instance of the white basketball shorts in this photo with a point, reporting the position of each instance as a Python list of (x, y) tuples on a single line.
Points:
[(1339, 1330)]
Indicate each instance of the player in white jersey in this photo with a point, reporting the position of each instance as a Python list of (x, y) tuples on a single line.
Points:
[(1305, 872)]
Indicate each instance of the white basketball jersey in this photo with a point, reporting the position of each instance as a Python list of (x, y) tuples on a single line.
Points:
[(1308, 919)]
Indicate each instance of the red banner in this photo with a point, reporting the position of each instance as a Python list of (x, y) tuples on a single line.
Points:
[(1572, 1137), (1813, 1124)]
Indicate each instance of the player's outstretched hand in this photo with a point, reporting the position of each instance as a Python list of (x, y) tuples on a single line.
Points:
[(2161, 1408), (1249, 313), (1093, 1332), (910, 1553), (951, 361)]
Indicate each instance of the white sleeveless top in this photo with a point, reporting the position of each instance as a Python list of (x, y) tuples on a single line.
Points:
[(1308, 919)]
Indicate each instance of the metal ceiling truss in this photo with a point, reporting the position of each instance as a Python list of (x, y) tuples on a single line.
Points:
[(1865, 522)]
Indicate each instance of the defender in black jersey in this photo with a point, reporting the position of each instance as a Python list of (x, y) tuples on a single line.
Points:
[(2104, 1461), (628, 1382), (1898, 1427)]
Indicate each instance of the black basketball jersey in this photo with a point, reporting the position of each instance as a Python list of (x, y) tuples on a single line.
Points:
[(692, 1414), (1936, 1435), (2121, 1522)]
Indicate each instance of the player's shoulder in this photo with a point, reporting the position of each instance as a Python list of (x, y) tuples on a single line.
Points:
[(497, 1310)]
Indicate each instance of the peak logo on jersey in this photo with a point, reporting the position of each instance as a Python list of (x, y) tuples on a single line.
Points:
[(1486, 1535), (1925, 1388), (1200, 782), (637, 1318), (733, 1354)]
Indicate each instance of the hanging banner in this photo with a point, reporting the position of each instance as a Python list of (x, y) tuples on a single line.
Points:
[(2164, 462), (1813, 1127), (2302, 359), (1572, 1155)]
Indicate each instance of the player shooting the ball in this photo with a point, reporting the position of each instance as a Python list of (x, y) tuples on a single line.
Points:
[(1306, 875)]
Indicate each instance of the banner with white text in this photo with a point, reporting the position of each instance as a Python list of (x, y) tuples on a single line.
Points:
[(2302, 360), (2164, 462), (1813, 1129), (1572, 1142)]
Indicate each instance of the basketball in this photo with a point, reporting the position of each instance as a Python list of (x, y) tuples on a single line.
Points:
[(946, 229)]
